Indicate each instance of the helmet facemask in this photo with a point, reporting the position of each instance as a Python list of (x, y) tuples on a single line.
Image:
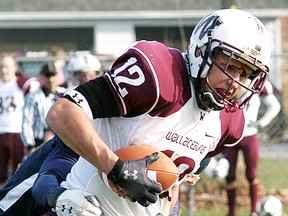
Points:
[(251, 80)]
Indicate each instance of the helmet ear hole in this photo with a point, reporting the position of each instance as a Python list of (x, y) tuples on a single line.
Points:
[(197, 52), (214, 52)]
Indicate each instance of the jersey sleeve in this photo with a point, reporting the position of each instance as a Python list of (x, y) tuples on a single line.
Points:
[(149, 78), (28, 84), (133, 83), (95, 98), (267, 89)]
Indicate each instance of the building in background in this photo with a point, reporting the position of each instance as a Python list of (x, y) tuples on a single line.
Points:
[(108, 27)]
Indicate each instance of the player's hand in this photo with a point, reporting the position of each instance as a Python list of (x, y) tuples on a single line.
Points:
[(76, 202), (131, 177)]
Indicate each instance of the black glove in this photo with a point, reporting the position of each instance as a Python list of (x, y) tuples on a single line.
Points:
[(131, 177)]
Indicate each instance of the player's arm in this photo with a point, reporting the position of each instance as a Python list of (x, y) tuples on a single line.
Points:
[(273, 108), (115, 94), (78, 134), (72, 123)]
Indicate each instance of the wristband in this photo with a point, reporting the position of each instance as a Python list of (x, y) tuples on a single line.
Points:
[(52, 198)]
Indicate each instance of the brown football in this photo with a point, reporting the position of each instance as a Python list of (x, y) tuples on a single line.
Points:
[(163, 170)]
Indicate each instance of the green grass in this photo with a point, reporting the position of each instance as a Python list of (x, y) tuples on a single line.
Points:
[(272, 174)]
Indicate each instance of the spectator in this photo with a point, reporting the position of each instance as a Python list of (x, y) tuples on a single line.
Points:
[(59, 63), (12, 92), (249, 145), (34, 128)]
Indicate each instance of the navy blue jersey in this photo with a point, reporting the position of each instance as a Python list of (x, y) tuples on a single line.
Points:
[(16, 197)]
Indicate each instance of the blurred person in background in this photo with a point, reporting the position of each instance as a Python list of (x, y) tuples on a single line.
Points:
[(59, 63), (249, 145), (34, 128), (82, 68), (52, 160), (13, 89)]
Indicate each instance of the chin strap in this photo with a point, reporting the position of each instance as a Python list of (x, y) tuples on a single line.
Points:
[(209, 101)]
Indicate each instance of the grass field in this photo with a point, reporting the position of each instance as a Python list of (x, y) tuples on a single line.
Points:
[(210, 198)]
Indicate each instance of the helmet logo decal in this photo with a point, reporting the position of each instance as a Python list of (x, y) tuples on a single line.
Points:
[(203, 26), (260, 29)]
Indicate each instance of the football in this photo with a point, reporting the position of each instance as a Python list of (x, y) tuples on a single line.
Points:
[(163, 170)]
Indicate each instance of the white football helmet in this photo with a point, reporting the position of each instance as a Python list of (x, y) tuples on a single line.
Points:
[(240, 36), (84, 63), (217, 168), (270, 206)]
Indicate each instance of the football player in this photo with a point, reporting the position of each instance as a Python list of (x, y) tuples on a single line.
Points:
[(160, 97), (82, 68), (184, 104), (249, 146)]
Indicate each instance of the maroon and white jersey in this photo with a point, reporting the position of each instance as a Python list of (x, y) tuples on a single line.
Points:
[(158, 108), (12, 102)]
